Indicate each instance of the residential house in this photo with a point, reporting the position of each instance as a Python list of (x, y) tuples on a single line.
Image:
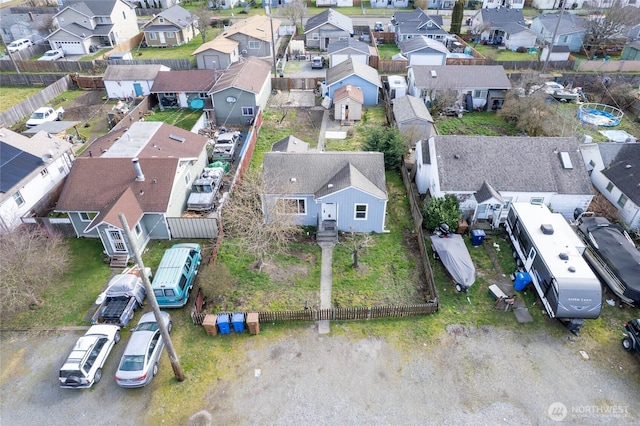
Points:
[(390, 4), (290, 144), (145, 172), (158, 4), (336, 3), (83, 24), (171, 27), (474, 86), (413, 118), (254, 35), (326, 27), (634, 34), (503, 26), (224, 4), (612, 168), (557, 4), (32, 171), (487, 173), (631, 51), (570, 31), (347, 103), (184, 89), (343, 190), (503, 4), (130, 81), (356, 74), (241, 92), (416, 23), (422, 50), (31, 23), (341, 50), (217, 54)]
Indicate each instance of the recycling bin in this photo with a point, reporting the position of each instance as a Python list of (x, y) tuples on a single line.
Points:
[(237, 319), (477, 237), (224, 325)]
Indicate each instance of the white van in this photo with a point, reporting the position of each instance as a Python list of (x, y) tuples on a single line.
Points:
[(19, 44)]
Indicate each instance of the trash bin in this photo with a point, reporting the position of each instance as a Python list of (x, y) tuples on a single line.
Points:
[(521, 281), (223, 324), (237, 319), (477, 237), (209, 324), (253, 323)]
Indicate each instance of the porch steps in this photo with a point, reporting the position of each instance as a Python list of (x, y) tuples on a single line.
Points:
[(119, 261)]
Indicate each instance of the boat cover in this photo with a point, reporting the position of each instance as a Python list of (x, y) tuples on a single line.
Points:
[(455, 257)]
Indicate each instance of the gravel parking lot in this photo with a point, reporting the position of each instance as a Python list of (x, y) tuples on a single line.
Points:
[(466, 376)]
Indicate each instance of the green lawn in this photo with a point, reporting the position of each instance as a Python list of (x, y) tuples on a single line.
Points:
[(179, 117), (503, 55), (372, 116), (387, 51), (475, 123), (12, 95)]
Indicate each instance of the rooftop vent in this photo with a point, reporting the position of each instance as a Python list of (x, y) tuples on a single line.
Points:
[(628, 166), (177, 138), (563, 256), (330, 186), (571, 269), (546, 228), (566, 160), (293, 180), (138, 169), (434, 74)]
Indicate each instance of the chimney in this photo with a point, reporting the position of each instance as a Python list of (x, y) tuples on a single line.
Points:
[(138, 169), (31, 17)]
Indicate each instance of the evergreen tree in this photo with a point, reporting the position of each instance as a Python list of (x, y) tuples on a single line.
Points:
[(456, 17), (390, 142)]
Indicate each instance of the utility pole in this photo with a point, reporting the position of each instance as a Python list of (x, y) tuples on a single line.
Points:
[(273, 43), (173, 357), (553, 40)]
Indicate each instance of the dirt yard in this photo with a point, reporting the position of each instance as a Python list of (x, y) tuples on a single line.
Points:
[(91, 110)]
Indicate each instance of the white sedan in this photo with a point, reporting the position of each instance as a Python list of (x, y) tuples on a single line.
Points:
[(52, 55)]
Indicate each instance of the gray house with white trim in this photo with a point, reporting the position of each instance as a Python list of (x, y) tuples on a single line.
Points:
[(325, 28)]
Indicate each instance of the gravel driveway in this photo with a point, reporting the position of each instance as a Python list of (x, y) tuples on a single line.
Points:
[(466, 376)]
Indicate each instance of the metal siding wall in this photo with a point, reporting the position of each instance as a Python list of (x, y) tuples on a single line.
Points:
[(192, 228)]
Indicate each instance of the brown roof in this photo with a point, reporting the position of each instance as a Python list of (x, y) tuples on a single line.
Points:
[(350, 92), (221, 44), (184, 81), (249, 75), (96, 184), (127, 204), (257, 26)]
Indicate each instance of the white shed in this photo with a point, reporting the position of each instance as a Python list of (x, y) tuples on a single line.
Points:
[(397, 86)]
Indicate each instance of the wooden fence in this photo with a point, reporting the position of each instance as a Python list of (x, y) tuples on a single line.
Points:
[(43, 97), (340, 314), (286, 84)]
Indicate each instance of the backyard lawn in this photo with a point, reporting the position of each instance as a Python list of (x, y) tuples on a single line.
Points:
[(11, 95)]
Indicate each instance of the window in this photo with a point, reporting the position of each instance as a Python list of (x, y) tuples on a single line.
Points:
[(169, 292), (563, 39), (183, 282), (254, 45), (153, 36), (480, 94), (161, 20), (171, 34), (622, 200), (315, 36), (247, 111), (361, 212), (44, 172), (87, 217), (609, 186), (292, 206), (138, 229), (592, 163), (187, 178), (158, 292), (17, 197), (124, 15), (536, 200)]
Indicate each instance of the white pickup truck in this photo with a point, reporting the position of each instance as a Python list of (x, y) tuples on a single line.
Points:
[(44, 114)]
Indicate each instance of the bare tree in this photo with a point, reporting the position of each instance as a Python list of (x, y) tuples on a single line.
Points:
[(476, 31), (31, 261), (610, 24), (204, 15), (294, 11), (260, 224), (356, 242)]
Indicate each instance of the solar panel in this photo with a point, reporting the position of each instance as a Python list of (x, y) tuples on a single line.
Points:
[(15, 165)]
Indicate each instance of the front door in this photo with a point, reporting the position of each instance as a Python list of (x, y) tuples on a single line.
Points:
[(138, 89), (116, 240), (162, 40), (329, 211)]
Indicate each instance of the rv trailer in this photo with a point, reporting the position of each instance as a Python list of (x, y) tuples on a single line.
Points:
[(551, 252)]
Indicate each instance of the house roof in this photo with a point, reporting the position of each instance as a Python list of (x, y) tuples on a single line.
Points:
[(417, 22), (93, 7), (523, 164), (350, 43), (322, 173), (329, 16), (184, 81), (257, 26), (624, 171), (570, 23), (52, 127), (249, 75), (348, 92), (290, 144), (82, 32), (461, 76), (487, 192), (350, 67), (176, 15), (560, 48), (127, 204), (406, 108), (132, 72), (15, 165), (516, 28), (220, 44), (422, 43), (499, 17)]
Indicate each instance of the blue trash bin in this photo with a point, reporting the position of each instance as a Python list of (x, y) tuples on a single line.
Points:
[(237, 319), (477, 237), (521, 281), (223, 323)]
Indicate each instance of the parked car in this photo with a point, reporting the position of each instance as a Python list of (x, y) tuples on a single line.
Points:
[(631, 340), (19, 44), (378, 26), (317, 62), (52, 55), (139, 363), (83, 366), (44, 114), (176, 274)]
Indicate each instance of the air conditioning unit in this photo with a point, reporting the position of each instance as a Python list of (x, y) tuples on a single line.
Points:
[(243, 52)]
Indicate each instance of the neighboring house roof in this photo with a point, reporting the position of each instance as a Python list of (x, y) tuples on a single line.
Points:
[(522, 164), (257, 26), (350, 67), (15, 165), (175, 17), (560, 48), (461, 76), (350, 43), (184, 81), (516, 28), (406, 108), (332, 17), (132, 72), (417, 21), (93, 8), (348, 92), (624, 171), (249, 75), (570, 23), (498, 18), (422, 43), (220, 44), (323, 173), (83, 32), (290, 144)]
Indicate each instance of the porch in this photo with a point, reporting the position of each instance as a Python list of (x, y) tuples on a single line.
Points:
[(327, 231)]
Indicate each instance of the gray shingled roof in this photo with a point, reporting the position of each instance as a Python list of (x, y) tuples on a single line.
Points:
[(249, 75), (290, 144), (461, 76), (329, 16), (515, 28), (350, 67), (415, 22), (131, 72), (184, 81), (524, 164), (313, 172), (178, 16), (420, 43), (350, 43), (93, 7), (499, 17), (624, 171), (406, 108), (487, 192), (570, 23)]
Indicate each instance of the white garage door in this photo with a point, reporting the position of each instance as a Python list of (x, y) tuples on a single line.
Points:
[(71, 47)]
